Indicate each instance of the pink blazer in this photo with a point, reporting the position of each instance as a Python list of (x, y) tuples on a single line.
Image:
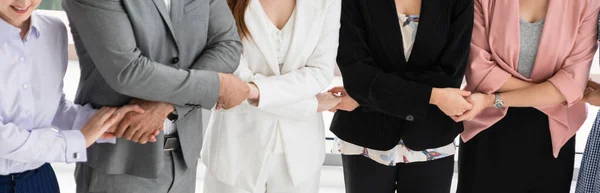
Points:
[(566, 51)]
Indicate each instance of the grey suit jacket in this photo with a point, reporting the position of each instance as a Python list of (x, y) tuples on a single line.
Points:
[(136, 49)]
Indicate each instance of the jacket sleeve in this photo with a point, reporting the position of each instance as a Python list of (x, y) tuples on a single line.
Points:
[(572, 78), (223, 47), (365, 82), (298, 110), (104, 29)]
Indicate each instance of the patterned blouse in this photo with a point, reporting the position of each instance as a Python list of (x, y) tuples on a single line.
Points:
[(400, 153)]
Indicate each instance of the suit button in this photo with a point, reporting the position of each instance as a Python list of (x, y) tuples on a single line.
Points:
[(175, 60), (410, 118)]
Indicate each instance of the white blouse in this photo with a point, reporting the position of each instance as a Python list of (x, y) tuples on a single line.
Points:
[(400, 153)]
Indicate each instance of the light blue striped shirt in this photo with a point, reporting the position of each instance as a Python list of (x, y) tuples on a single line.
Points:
[(37, 123)]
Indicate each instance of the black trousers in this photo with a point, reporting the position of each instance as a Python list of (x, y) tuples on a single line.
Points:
[(515, 156), (363, 175), (41, 180)]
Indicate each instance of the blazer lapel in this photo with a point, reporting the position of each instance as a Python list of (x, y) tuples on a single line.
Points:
[(387, 27), (162, 9), (259, 34), (506, 42), (176, 15), (307, 23), (429, 18)]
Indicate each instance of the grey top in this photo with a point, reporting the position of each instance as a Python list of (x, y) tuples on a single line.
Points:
[(531, 33)]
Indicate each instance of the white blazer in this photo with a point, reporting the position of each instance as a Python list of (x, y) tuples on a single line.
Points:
[(234, 149)]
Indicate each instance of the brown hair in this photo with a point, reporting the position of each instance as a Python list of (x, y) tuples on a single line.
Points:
[(238, 8)]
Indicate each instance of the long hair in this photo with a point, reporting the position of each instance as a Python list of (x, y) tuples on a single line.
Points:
[(238, 8)]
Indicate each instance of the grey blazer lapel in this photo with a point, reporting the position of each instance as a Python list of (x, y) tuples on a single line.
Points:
[(176, 10), (162, 9)]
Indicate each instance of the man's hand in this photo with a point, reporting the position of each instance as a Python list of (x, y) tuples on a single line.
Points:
[(144, 127), (96, 127), (347, 103), (232, 91)]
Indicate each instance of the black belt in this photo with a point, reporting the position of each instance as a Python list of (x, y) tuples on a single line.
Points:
[(171, 143)]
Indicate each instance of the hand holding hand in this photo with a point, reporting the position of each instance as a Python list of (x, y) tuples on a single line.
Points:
[(592, 97), (232, 91), (327, 101), (347, 103), (102, 120), (479, 101), (144, 127), (451, 100), (592, 84), (254, 92)]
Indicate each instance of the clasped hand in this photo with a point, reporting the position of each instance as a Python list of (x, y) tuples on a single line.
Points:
[(234, 91), (140, 122), (591, 94), (460, 105)]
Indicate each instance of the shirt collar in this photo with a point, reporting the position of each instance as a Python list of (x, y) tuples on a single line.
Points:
[(35, 25), (7, 30)]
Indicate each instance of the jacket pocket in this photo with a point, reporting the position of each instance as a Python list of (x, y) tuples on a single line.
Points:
[(436, 131)]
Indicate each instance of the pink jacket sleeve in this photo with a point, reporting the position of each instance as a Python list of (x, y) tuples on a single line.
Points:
[(572, 78)]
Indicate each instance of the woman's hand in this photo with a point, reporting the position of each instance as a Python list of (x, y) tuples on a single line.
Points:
[(347, 103), (99, 123), (327, 101), (592, 84), (451, 100), (592, 97), (254, 92), (479, 101), (591, 94)]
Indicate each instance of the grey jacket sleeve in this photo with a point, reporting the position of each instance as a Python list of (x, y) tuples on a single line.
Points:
[(105, 31), (223, 48)]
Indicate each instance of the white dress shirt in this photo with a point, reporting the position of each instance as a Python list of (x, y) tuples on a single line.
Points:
[(37, 123)]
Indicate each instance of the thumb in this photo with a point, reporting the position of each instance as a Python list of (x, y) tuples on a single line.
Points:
[(338, 89), (464, 93)]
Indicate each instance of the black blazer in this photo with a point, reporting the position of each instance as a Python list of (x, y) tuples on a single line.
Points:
[(394, 94)]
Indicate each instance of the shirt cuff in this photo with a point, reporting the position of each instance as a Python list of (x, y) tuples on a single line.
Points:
[(568, 87), (75, 146), (83, 116), (112, 140)]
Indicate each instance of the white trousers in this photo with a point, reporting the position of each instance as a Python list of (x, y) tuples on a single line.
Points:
[(274, 178)]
